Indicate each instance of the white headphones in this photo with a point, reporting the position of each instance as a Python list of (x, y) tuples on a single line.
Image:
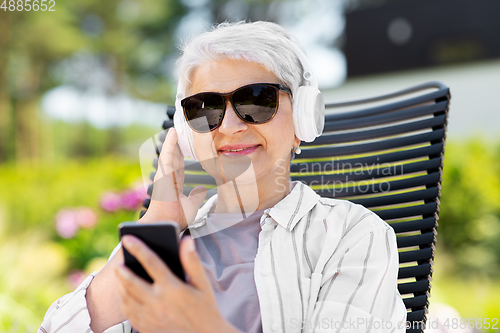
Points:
[(308, 110), (184, 132)]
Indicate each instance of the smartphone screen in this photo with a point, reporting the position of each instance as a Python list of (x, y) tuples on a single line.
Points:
[(162, 238)]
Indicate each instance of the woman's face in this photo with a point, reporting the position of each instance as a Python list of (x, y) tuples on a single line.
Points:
[(267, 146)]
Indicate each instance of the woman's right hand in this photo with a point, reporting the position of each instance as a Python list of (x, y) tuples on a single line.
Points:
[(167, 200), (167, 203)]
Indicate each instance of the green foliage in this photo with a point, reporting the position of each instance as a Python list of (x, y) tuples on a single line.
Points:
[(129, 40), (82, 140), (34, 271), (469, 224), (473, 297), (35, 195), (35, 259)]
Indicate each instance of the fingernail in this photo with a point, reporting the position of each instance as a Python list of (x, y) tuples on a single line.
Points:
[(190, 244), (128, 240)]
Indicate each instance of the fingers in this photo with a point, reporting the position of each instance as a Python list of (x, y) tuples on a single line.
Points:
[(131, 285), (193, 202), (178, 172), (132, 308), (169, 178), (167, 197), (151, 262), (170, 157), (164, 189), (192, 265)]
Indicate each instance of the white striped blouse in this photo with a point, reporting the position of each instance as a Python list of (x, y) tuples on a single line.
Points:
[(322, 265)]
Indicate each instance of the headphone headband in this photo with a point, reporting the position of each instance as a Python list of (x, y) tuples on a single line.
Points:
[(308, 73)]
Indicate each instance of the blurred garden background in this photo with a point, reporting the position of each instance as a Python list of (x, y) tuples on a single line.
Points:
[(83, 86)]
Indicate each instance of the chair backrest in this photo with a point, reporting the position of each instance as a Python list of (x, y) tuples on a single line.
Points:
[(385, 153)]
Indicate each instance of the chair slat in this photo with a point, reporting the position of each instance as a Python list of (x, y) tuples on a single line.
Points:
[(374, 173), (408, 226), (416, 329), (423, 239), (335, 164), (322, 152), (431, 179), (384, 118), (417, 255), (429, 193), (433, 96), (398, 213), (167, 124), (377, 133), (205, 179), (415, 271), (415, 302), (170, 111), (413, 287), (415, 317), (193, 166)]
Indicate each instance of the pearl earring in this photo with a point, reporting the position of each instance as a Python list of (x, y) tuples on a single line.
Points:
[(296, 150)]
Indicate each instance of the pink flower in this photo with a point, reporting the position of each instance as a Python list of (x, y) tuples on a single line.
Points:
[(141, 191), (75, 278), (110, 201), (86, 217), (66, 223), (130, 200)]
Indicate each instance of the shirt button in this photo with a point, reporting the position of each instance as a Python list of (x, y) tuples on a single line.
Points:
[(265, 272), (275, 327)]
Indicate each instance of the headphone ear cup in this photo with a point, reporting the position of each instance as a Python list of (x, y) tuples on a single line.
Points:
[(184, 132), (308, 113)]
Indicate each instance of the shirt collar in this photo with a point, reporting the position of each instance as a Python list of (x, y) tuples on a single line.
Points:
[(202, 215), (286, 213), (294, 206)]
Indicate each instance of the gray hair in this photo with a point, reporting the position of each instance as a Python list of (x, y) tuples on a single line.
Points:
[(261, 42)]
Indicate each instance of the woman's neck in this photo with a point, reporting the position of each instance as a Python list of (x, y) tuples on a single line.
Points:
[(246, 194)]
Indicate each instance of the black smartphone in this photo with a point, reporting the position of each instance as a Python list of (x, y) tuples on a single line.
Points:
[(161, 237)]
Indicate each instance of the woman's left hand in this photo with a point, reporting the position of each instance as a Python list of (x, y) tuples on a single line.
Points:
[(169, 304)]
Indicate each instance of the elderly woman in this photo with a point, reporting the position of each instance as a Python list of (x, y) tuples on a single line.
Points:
[(265, 254)]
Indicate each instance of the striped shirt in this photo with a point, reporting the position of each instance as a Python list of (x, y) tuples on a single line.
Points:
[(322, 265)]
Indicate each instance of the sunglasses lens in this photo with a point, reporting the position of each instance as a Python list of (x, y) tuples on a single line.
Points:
[(257, 103), (254, 104), (203, 109)]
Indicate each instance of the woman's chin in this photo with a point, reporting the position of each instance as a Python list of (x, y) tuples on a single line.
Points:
[(235, 166), (224, 169)]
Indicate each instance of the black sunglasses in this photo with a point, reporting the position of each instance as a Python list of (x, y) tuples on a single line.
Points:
[(254, 104)]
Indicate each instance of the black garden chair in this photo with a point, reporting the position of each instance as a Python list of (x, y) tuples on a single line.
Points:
[(385, 153)]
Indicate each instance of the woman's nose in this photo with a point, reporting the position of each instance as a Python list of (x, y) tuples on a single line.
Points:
[(231, 123)]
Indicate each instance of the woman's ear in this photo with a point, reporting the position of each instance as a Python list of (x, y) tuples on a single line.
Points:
[(296, 142)]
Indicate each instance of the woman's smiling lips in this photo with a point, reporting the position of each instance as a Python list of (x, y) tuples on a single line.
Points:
[(230, 150)]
